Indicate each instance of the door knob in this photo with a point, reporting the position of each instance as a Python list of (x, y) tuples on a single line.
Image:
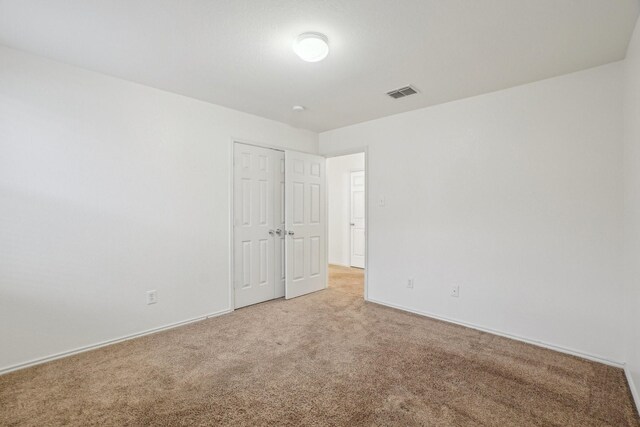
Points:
[(278, 232), (290, 233), (272, 232), (353, 224)]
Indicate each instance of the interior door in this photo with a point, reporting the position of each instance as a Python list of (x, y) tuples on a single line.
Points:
[(257, 211), (357, 219), (280, 242), (305, 186)]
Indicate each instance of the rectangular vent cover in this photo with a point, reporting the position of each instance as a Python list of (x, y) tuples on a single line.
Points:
[(402, 92)]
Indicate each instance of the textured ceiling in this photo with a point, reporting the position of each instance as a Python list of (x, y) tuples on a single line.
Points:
[(237, 53)]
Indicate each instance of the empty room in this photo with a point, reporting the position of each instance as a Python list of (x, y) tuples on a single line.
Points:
[(320, 213)]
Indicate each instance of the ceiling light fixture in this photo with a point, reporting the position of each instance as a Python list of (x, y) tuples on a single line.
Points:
[(311, 47), (298, 108)]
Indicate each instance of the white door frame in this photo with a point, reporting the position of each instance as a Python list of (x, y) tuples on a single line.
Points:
[(338, 153)]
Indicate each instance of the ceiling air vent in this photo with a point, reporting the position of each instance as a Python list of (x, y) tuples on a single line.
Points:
[(402, 92)]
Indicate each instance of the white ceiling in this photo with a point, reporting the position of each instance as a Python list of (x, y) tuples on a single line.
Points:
[(237, 53)]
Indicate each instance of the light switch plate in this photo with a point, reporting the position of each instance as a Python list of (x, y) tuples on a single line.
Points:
[(152, 297)]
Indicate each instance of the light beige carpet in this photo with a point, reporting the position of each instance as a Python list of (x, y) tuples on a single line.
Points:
[(326, 359)]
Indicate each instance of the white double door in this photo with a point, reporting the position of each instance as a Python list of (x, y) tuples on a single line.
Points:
[(279, 224)]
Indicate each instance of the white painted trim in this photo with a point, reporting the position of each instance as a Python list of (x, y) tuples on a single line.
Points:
[(632, 387), (83, 349), (367, 173), (367, 192), (592, 357), (232, 290), (326, 224), (256, 144)]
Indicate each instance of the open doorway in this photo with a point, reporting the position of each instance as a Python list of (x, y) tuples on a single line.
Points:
[(346, 220)]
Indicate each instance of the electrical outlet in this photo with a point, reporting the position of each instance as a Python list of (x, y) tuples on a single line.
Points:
[(455, 291), (410, 283), (152, 297)]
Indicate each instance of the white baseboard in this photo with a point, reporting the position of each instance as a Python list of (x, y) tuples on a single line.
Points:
[(592, 357), (632, 386), (600, 359), (46, 359)]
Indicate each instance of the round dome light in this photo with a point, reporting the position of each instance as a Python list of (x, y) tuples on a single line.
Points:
[(311, 47)]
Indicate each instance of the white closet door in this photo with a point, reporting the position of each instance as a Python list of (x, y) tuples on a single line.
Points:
[(255, 216), (280, 242), (305, 223), (357, 219)]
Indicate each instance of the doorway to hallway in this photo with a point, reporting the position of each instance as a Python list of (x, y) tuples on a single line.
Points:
[(346, 222), (348, 280)]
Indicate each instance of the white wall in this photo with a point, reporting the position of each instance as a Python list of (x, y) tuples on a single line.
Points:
[(515, 196), (632, 208), (108, 189), (339, 205)]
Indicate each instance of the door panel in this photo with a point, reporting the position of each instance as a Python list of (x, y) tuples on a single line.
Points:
[(257, 210), (358, 243), (279, 224), (305, 223)]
